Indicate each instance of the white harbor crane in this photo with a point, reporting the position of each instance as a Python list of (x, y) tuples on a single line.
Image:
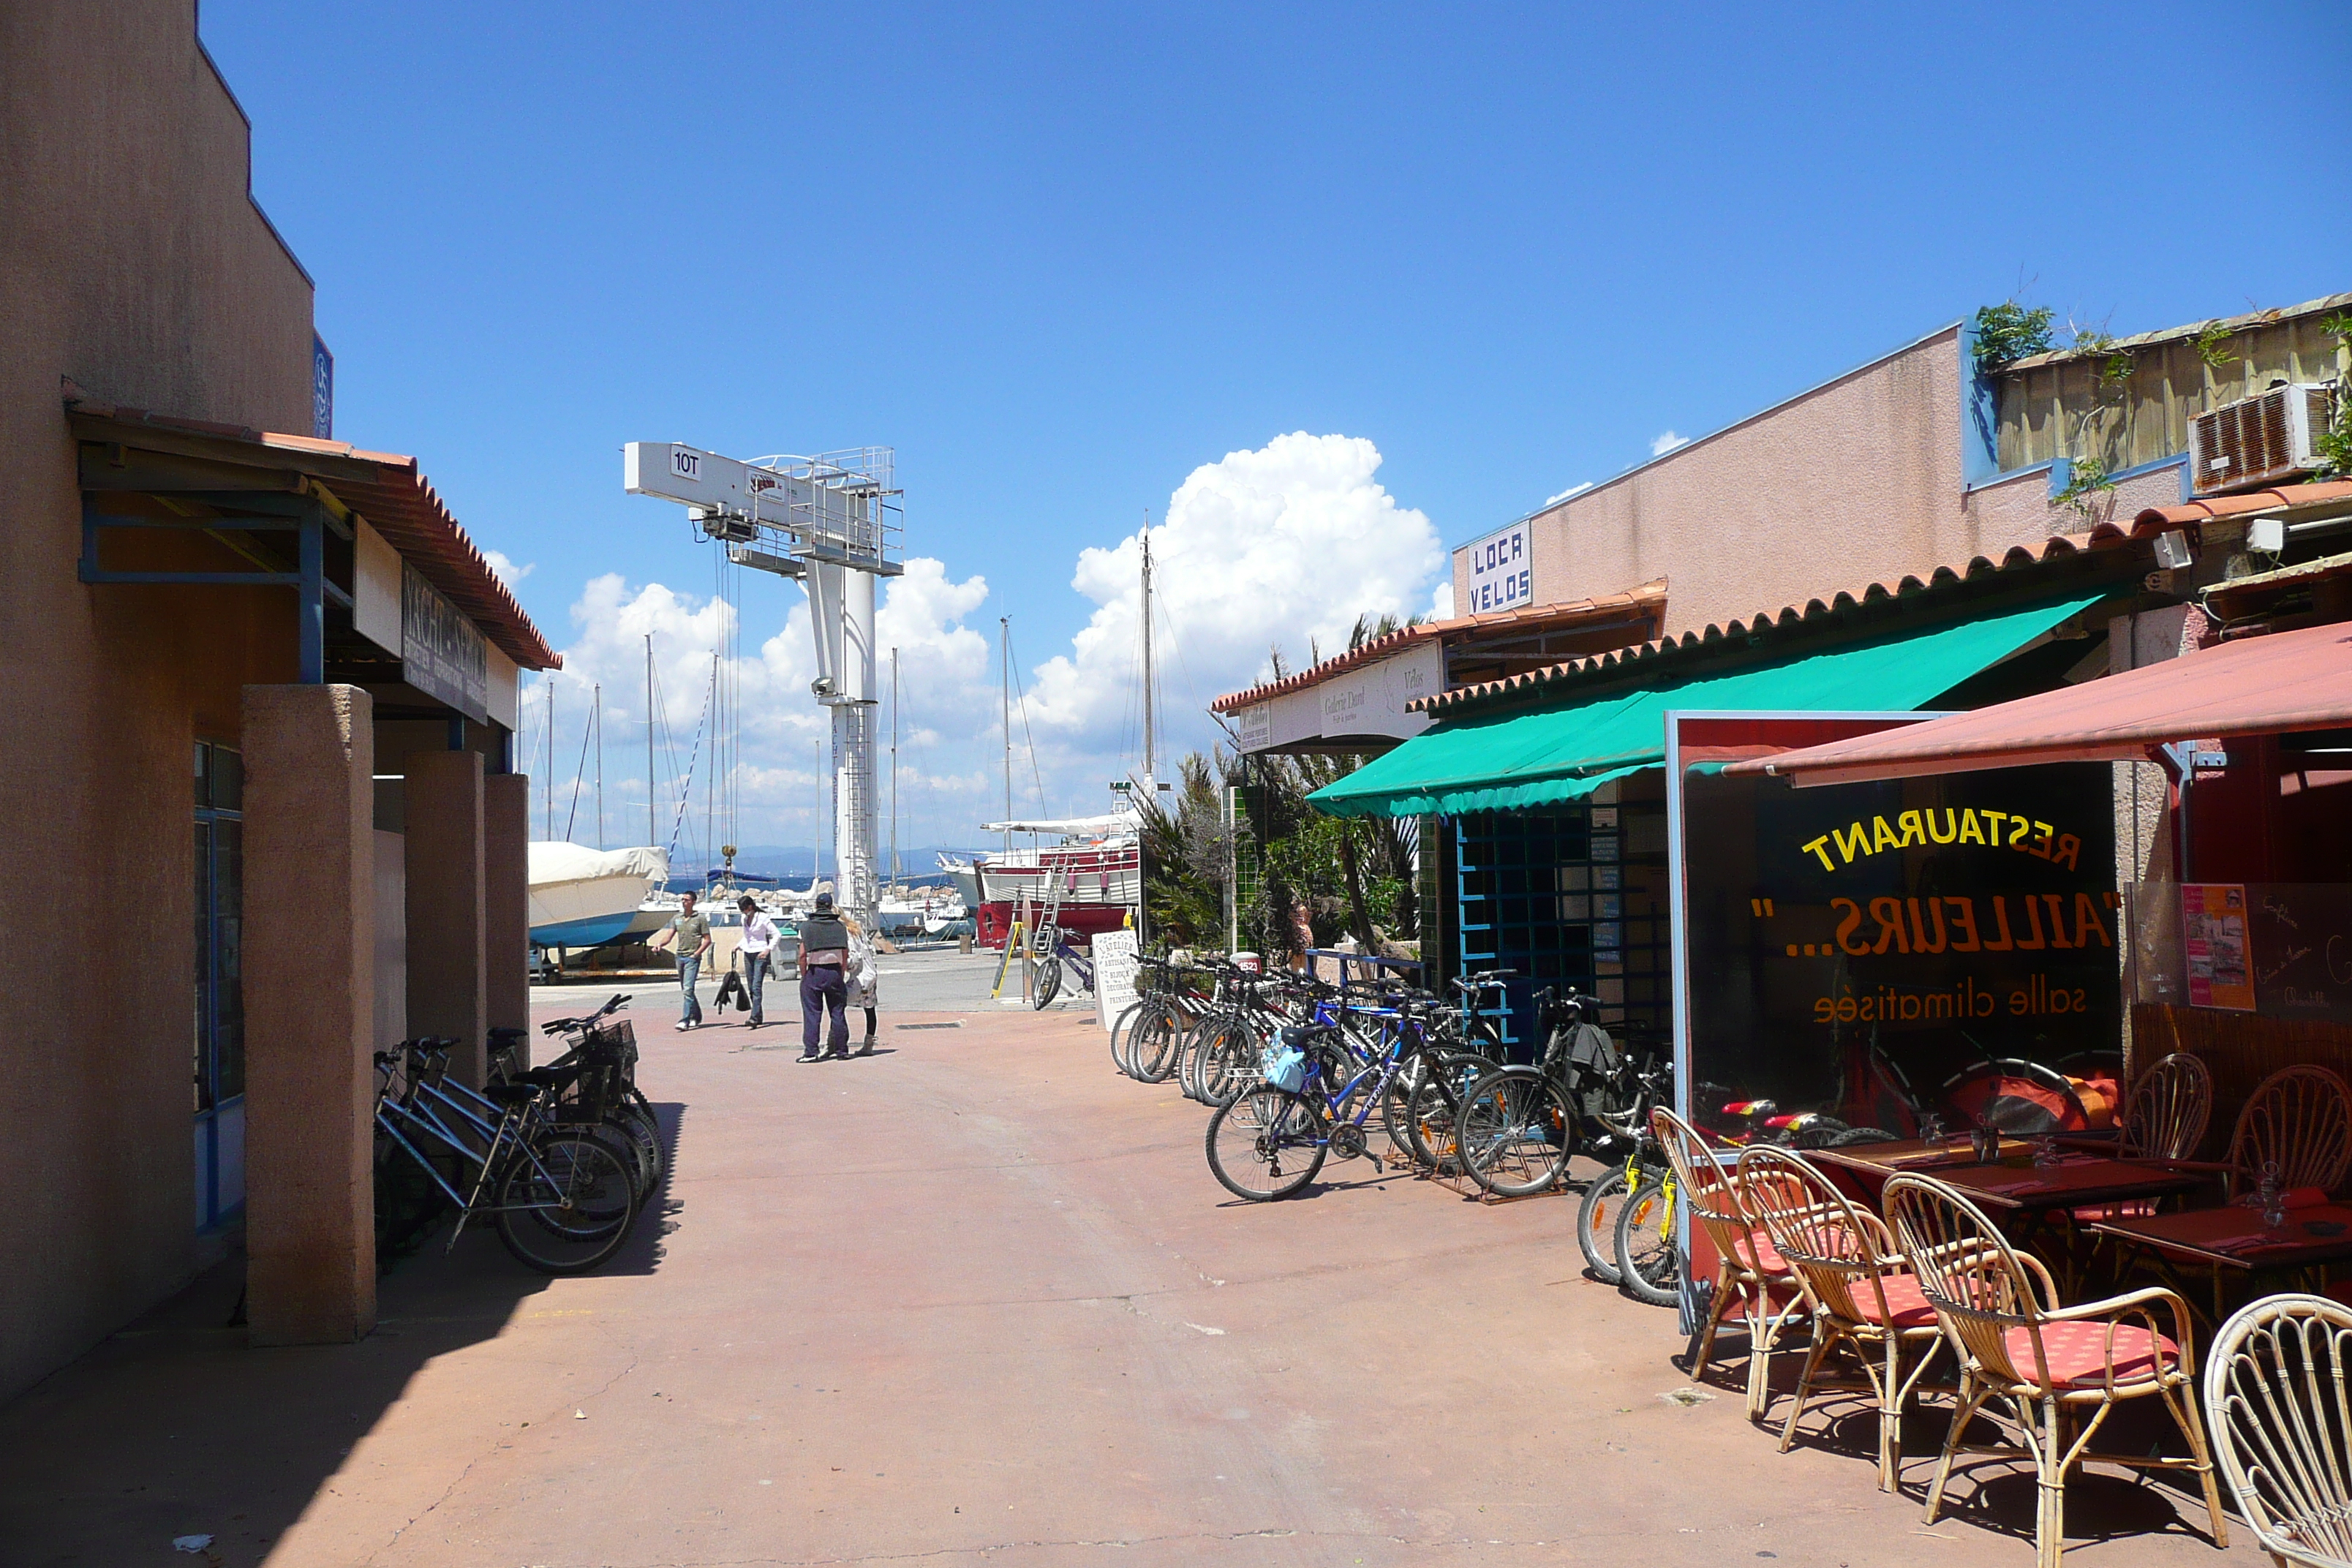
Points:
[(833, 522)]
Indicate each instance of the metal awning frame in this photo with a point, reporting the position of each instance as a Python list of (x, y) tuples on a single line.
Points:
[(303, 514)]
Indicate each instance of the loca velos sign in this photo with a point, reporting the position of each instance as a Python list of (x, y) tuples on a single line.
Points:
[(1502, 572), (1928, 923)]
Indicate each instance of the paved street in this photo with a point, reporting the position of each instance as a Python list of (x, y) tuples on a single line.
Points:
[(977, 1299)]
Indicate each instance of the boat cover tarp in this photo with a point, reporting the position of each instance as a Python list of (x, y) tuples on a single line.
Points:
[(1516, 760), (553, 862), (1103, 826)]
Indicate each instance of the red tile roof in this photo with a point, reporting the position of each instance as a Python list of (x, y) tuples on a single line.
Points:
[(1649, 598), (2057, 547), (391, 492), (2281, 498)]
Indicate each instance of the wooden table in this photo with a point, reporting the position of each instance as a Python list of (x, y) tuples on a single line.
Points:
[(2020, 1194), (2013, 1182), (2235, 1238)]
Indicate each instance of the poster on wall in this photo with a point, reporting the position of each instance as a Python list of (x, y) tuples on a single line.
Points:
[(2214, 931), (1880, 953)]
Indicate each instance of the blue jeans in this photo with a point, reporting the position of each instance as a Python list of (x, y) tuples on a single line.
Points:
[(755, 976), (689, 970)]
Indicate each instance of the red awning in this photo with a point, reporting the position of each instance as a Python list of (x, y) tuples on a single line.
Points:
[(2292, 681)]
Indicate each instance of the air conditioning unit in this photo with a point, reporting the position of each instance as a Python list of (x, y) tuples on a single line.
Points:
[(2258, 440)]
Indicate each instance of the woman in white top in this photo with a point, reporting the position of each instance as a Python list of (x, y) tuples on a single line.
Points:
[(864, 987), (758, 950)]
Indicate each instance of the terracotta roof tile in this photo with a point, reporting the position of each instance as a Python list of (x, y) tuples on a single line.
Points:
[(1649, 597), (2283, 497), (2019, 557), (390, 491)]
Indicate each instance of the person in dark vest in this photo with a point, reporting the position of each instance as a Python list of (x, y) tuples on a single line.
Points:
[(825, 971)]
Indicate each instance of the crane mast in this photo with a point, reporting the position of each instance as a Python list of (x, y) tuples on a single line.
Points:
[(832, 521)]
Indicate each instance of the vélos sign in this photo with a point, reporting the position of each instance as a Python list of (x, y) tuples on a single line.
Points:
[(1502, 574)]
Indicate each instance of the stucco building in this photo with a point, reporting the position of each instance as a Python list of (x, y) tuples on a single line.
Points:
[(259, 703)]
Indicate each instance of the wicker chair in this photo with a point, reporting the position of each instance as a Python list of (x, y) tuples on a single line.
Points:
[(1859, 1287), (2055, 1368), (1748, 1272), (2166, 1112), (2274, 1392), (2300, 1118), (2165, 1117)]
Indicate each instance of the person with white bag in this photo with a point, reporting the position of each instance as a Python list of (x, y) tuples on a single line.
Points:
[(865, 986)]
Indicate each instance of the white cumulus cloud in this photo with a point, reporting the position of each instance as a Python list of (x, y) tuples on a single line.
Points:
[(1284, 545), (503, 568), (1574, 490), (783, 774), (1666, 441)]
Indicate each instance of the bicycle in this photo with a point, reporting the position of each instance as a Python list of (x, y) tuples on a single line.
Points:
[(561, 1199), (595, 1083), (1267, 1126), (1649, 1263), (1458, 1044), (1606, 1194), (1060, 952)]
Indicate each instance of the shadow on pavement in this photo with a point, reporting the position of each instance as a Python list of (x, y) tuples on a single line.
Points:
[(174, 1427)]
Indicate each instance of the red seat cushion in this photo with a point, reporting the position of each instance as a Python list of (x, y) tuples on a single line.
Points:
[(1907, 1306), (2076, 1352), (1758, 1253), (2339, 1292)]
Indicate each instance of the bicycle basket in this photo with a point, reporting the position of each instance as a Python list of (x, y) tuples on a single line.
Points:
[(616, 1041)]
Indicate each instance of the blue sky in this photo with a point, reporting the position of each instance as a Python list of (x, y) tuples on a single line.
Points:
[(1061, 259)]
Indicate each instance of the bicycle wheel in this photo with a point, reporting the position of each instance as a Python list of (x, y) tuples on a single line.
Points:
[(1266, 1145), (1436, 1108), (1596, 1224), (1514, 1131), (643, 1143), (1158, 1036), (1396, 1117), (1118, 1028), (1188, 1058), (1049, 982), (570, 1208), (1648, 1266), (1233, 1056)]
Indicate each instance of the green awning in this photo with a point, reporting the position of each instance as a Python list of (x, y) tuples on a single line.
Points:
[(1523, 759)]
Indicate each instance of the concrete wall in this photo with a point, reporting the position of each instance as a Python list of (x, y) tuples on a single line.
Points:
[(1855, 482), (136, 264)]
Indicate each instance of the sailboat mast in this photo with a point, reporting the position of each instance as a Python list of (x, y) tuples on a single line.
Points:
[(1147, 771), (894, 764), (653, 835), (547, 785), (598, 698), (1004, 649)]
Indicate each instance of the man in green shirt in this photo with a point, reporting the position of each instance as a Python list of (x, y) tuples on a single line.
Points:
[(689, 937)]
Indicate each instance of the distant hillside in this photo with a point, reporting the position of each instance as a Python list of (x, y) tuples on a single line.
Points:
[(793, 862)]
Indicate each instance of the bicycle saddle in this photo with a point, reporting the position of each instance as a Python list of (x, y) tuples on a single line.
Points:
[(510, 1093)]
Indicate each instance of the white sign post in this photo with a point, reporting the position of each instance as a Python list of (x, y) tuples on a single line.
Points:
[(1115, 969)]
